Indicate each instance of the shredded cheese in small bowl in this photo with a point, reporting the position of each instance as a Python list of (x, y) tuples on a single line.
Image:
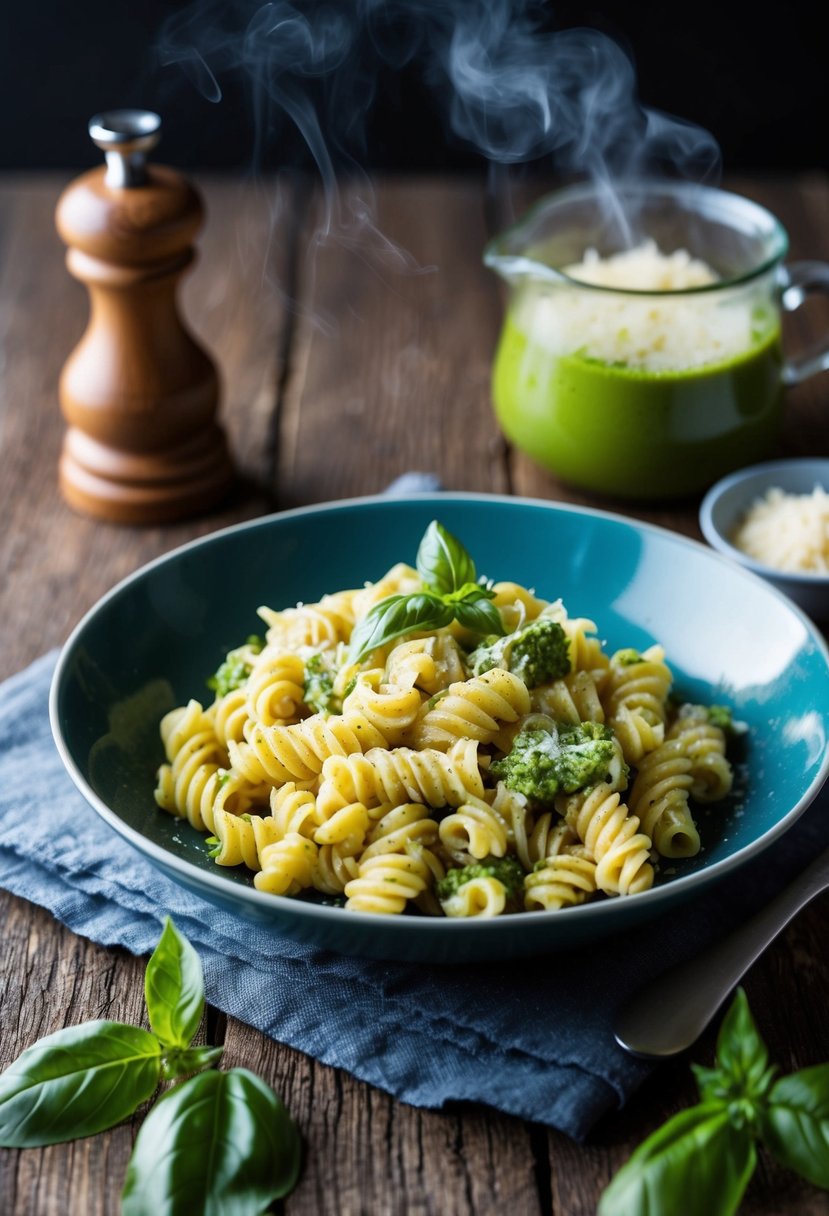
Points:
[(773, 518), (787, 531)]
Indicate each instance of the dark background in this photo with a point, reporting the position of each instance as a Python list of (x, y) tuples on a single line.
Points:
[(758, 84)]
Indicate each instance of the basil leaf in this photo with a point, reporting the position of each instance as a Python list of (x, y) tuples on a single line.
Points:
[(795, 1123), (174, 989), (182, 1062), (395, 616), (442, 562), (76, 1082), (696, 1164), (479, 615), (221, 1142), (741, 1053), (470, 591)]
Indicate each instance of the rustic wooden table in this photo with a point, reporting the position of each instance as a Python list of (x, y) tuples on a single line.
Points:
[(346, 361)]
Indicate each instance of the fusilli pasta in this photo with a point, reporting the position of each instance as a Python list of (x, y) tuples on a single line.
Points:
[(443, 770)]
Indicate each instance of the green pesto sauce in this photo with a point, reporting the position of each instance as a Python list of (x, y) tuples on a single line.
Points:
[(507, 870), (541, 765), (633, 432), (536, 654)]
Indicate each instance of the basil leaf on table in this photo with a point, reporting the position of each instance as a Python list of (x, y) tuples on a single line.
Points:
[(395, 616), (442, 561), (221, 1142), (174, 989), (742, 1057), (795, 1123), (697, 1164), (76, 1082)]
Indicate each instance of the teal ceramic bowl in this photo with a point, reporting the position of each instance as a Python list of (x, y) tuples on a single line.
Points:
[(729, 638)]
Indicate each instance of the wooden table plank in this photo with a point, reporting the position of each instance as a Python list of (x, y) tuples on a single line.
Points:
[(391, 355)]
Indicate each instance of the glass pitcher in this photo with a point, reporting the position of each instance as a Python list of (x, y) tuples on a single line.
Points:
[(656, 392)]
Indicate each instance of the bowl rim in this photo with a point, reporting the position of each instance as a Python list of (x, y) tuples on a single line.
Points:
[(764, 473), (229, 892)]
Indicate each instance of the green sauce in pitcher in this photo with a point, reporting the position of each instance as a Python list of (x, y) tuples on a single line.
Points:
[(632, 432)]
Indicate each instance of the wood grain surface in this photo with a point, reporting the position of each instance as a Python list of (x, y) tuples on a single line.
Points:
[(348, 355)]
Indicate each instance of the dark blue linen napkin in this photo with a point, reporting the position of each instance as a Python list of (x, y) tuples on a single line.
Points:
[(531, 1037)]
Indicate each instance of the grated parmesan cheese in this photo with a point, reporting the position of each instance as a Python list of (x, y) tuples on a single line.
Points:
[(640, 331), (644, 268), (788, 531)]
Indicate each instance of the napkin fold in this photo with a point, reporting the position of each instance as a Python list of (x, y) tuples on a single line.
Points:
[(531, 1037)]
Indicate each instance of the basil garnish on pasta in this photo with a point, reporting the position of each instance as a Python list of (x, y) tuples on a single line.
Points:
[(442, 561), (450, 594)]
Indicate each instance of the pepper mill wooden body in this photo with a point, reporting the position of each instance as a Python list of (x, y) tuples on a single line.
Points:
[(139, 394)]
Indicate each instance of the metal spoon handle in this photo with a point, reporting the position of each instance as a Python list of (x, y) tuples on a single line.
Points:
[(670, 1012)]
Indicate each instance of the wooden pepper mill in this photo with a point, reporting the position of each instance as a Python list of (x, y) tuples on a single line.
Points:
[(139, 394)]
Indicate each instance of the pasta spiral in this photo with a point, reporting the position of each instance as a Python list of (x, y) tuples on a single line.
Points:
[(517, 605), (294, 810), (275, 687), (550, 836), (323, 624), (566, 879), (400, 827), (431, 664), (659, 796), (612, 837), (333, 869), (242, 838), (228, 716), (347, 827), (704, 745), (388, 709), (640, 683), (474, 831), (288, 865), (297, 753), (575, 698), (511, 807), (386, 882), (191, 784), (479, 897), (473, 709), (636, 735), (402, 775)]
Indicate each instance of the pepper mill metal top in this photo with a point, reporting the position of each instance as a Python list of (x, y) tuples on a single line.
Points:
[(126, 136)]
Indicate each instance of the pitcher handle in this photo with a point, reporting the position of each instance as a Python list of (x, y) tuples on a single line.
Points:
[(800, 279)]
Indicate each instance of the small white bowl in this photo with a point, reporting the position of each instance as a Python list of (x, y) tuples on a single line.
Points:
[(727, 501)]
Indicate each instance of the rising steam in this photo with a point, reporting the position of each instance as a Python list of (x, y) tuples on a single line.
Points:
[(515, 91)]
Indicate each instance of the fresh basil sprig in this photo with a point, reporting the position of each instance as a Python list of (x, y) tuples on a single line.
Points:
[(700, 1162), (450, 593), (219, 1141)]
